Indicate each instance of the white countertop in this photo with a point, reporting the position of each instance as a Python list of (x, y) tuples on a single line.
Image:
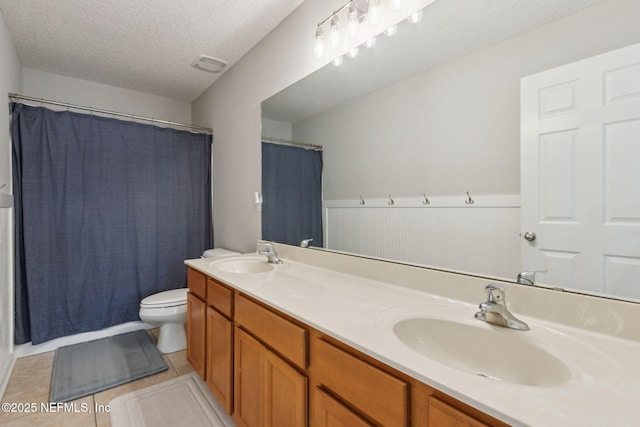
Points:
[(604, 389)]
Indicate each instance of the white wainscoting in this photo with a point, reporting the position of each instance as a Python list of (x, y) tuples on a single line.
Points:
[(7, 357), (481, 238)]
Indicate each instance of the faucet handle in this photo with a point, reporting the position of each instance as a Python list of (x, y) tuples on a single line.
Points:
[(528, 277), (495, 293)]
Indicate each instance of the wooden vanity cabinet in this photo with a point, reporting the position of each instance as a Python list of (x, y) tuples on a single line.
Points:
[(196, 321), (270, 370)]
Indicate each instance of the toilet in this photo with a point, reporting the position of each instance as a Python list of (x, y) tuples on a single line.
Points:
[(168, 309)]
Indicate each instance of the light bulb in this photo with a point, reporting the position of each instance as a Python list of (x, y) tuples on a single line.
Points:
[(415, 17), (391, 31), (337, 61), (334, 34), (353, 52), (370, 42), (354, 21), (397, 4), (374, 12), (319, 48)]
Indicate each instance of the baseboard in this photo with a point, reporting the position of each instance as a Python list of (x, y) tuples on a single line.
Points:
[(5, 373), (29, 349)]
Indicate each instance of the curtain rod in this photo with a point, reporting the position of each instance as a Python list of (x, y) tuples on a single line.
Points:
[(294, 143), (15, 96)]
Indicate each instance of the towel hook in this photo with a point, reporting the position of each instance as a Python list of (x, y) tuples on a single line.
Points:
[(391, 202), (469, 200), (361, 200), (426, 200)]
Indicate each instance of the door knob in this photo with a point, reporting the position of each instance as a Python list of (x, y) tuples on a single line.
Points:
[(529, 236)]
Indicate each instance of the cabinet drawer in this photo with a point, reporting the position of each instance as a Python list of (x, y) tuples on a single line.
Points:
[(443, 414), (197, 283), (383, 397), (220, 297), (287, 338)]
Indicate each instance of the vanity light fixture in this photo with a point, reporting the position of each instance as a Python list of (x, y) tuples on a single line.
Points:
[(358, 13), (338, 61)]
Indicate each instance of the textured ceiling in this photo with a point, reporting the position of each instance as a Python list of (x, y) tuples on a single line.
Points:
[(145, 45), (449, 29)]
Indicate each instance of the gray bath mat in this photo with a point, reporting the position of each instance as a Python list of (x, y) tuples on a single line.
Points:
[(89, 367), (183, 401)]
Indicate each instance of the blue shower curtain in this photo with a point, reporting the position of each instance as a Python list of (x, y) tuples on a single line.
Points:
[(106, 211), (292, 194)]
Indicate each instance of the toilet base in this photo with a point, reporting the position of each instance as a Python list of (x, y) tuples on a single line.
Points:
[(172, 337)]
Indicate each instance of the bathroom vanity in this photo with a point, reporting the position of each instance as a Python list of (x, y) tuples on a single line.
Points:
[(329, 339)]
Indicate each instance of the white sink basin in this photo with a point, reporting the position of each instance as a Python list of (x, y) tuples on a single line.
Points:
[(244, 265), (501, 355)]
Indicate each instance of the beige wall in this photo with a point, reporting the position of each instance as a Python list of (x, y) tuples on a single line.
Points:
[(41, 84), (232, 106), (456, 127)]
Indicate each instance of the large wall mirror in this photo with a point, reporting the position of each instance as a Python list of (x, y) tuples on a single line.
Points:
[(421, 137)]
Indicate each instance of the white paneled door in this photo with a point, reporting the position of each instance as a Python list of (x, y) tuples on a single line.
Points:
[(580, 185)]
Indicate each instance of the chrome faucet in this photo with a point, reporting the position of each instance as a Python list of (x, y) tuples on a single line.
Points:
[(271, 254), (305, 243), (495, 311), (529, 277)]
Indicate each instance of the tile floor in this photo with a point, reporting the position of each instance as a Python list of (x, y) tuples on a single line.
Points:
[(31, 378)]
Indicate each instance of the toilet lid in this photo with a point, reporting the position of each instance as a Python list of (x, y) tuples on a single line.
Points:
[(166, 298)]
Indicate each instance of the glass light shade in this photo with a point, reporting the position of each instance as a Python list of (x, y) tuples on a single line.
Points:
[(334, 34), (319, 47), (374, 12), (391, 31), (354, 21), (397, 4), (415, 17), (353, 52), (338, 61), (370, 42)]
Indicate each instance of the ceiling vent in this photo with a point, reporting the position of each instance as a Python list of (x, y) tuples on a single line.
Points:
[(209, 64)]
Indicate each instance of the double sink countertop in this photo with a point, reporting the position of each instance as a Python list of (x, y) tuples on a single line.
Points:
[(552, 375)]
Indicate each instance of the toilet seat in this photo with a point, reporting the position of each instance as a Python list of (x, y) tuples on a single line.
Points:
[(170, 298)]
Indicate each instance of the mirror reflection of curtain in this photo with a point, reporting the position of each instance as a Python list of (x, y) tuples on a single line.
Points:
[(292, 194), (106, 212)]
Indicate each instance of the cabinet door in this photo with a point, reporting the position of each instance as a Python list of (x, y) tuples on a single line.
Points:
[(286, 393), (268, 391), (220, 358), (249, 390), (442, 414), (328, 412), (196, 324)]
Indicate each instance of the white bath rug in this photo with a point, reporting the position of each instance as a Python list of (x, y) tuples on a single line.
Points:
[(183, 401)]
